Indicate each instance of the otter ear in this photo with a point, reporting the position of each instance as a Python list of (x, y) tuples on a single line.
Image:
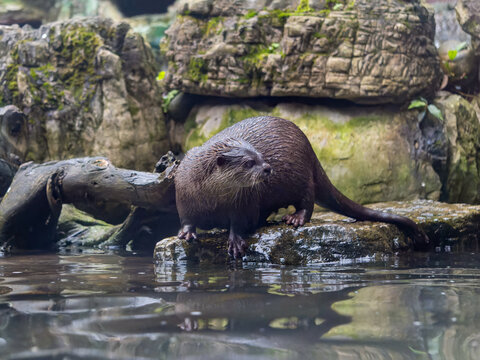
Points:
[(221, 160)]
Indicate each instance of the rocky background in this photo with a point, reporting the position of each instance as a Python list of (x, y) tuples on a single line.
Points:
[(386, 91)]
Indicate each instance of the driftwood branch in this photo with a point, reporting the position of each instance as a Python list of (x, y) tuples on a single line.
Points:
[(30, 210)]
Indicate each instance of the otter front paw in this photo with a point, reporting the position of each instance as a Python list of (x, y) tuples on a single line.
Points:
[(188, 233), (297, 219), (236, 246)]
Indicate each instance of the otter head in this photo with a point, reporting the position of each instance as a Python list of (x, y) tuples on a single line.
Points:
[(241, 165)]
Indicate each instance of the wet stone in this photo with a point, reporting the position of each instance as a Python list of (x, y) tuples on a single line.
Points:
[(330, 237)]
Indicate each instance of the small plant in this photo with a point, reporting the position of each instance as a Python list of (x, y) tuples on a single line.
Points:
[(273, 47), (167, 99), (250, 14), (452, 54), (161, 76), (422, 103)]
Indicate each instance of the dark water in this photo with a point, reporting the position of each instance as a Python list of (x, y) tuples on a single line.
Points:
[(111, 306)]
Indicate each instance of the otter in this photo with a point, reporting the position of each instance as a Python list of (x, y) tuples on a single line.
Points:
[(245, 172)]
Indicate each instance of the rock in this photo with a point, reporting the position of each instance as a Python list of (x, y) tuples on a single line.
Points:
[(371, 154), (180, 106), (78, 228), (7, 172), (31, 12), (367, 52), (468, 15), (461, 130), (433, 159), (87, 87), (13, 135), (332, 238)]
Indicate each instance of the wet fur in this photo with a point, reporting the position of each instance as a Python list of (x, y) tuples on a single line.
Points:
[(208, 196)]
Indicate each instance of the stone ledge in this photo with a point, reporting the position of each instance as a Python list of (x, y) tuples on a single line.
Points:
[(333, 238)]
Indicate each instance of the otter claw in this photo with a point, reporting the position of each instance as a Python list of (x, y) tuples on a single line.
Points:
[(187, 235), (297, 219), (236, 246)]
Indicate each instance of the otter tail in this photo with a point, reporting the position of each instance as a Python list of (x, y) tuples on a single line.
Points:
[(330, 197)]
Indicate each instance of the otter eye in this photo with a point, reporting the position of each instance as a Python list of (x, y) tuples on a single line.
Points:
[(249, 164)]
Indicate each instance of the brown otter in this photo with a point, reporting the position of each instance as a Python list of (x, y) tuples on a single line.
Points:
[(242, 174)]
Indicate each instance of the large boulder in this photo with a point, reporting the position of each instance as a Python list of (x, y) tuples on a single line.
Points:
[(87, 87), (364, 51), (371, 154)]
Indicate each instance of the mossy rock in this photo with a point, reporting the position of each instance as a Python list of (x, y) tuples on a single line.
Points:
[(369, 154), (88, 86), (363, 51), (333, 238)]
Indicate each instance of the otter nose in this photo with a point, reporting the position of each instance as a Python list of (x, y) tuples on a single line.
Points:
[(267, 169)]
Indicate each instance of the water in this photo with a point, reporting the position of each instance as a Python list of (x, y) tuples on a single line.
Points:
[(120, 306)]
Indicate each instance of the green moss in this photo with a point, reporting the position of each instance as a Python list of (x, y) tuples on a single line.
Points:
[(75, 71), (350, 6), (214, 26), (79, 50), (11, 76), (133, 109), (167, 99), (304, 6), (197, 70), (318, 35), (253, 61), (250, 14)]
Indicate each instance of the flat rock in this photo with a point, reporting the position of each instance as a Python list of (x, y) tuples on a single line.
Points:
[(334, 238)]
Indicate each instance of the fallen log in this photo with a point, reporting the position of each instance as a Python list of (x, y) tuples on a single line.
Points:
[(31, 207)]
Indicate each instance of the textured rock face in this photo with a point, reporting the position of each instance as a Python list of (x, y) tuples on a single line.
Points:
[(461, 131), (87, 87), (468, 15), (330, 237), (364, 51)]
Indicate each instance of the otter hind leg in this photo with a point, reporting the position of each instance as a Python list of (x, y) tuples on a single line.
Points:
[(188, 233), (304, 209)]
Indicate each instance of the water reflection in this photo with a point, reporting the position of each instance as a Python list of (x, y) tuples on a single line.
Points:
[(95, 306)]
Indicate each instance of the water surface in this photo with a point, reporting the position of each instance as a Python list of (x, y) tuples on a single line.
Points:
[(121, 306)]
